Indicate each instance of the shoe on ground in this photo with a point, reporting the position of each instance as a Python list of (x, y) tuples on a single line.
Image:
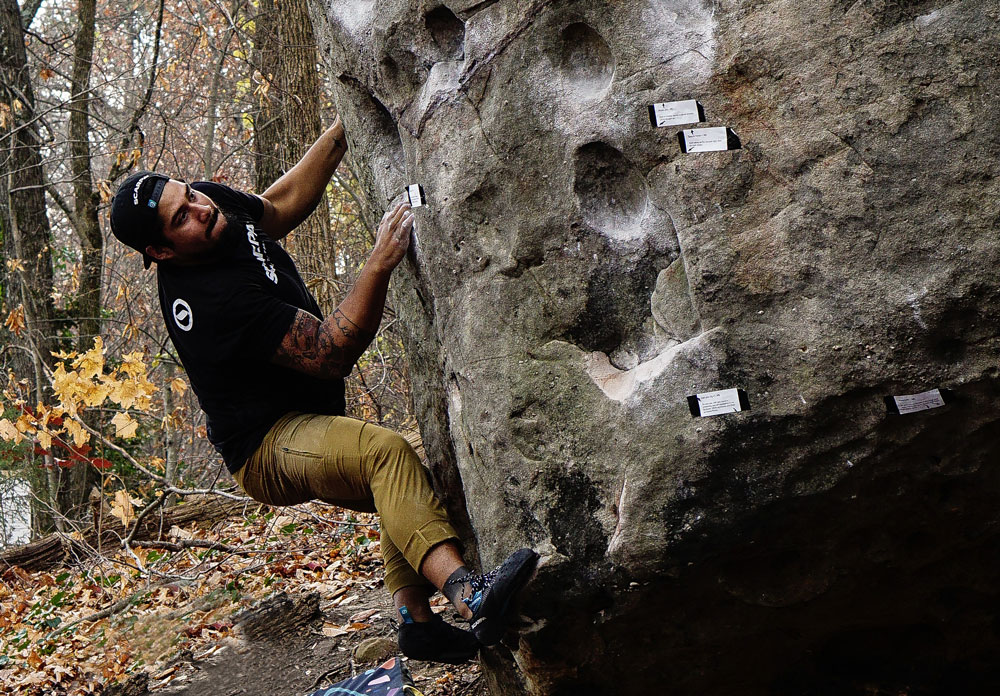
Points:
[(494, 593), (437, 641)]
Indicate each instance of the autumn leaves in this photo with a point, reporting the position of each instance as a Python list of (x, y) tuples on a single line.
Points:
[(80, 382)]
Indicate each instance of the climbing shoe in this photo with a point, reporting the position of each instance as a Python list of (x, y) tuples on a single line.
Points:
[(493, 594), (436, 640)]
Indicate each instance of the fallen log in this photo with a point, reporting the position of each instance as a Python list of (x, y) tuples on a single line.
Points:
[(107, 532)]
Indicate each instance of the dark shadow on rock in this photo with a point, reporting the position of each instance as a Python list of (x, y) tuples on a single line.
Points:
[(447, 32)]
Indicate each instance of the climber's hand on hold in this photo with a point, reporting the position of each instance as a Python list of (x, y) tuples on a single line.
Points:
[(393, 237)]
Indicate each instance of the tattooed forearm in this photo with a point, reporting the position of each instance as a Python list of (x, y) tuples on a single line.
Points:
[(348, 327), (323, 349)]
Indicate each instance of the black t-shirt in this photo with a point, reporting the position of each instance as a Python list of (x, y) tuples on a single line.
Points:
[(227, 318)]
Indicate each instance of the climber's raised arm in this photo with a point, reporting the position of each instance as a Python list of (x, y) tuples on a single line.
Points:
[(290, 199)]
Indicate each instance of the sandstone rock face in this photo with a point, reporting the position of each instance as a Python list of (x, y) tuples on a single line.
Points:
[(577, 277)]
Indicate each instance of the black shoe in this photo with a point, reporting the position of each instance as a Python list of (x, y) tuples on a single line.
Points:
[(494, 593), (436, 641)]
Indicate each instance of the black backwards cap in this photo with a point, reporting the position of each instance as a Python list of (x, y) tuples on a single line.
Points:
[(134, 208)]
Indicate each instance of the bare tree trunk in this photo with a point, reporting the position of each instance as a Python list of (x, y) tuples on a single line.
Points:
[(287, 124), (171, 439), (23, 185), (24, 225), (213, 99), (86, 198), (87, 305)]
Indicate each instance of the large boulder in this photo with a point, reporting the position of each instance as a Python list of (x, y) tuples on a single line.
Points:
[(577, 277)]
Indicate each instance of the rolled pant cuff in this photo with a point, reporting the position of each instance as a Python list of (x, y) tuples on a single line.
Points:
[(414, 550)]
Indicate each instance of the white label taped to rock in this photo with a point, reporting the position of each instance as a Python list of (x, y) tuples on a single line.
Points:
[(911, 403), (718, 402), (416, 195), (676, 113), (705, 139)]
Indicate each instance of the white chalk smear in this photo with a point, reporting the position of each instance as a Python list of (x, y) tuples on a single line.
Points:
[(354, 15)]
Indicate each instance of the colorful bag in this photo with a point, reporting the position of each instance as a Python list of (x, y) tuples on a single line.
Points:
[(390, 679)]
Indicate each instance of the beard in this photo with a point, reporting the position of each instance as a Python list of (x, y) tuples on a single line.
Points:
[(231, 232)]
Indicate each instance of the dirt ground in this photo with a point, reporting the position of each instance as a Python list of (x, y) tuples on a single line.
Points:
[(285, 652)]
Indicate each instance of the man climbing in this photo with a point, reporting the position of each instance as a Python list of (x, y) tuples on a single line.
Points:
[(269, 375)]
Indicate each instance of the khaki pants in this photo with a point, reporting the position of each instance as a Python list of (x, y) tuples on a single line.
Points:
[(358, 466)]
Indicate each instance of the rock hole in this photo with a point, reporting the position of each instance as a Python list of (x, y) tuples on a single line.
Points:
[(447, 32), (381, 134), (390, 70), (617, 306), (389, 130), (612, 193), (587, 63)]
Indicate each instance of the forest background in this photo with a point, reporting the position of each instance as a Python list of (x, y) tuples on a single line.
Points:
[(100, 430)]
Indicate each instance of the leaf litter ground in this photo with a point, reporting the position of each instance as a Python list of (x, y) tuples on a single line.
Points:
[(285, 615)]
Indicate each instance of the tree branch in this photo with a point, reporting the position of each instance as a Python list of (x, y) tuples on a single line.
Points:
[(118, 168), (29, 11), (193, 544), (54, 194), (156, 477), (142, 515)]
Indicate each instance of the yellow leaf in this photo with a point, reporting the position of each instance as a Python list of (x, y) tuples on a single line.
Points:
[(9, 432), (94, 394), (76, 431), (122, 507), (125, 425), (173, 420), (44, 439), (133, 364), (146, 391), (65, 385), (91, 363), (124, 393), (16, 265), (15, 321), (105, 190), (178, 386)]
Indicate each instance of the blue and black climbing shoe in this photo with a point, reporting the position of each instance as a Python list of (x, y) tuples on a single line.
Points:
[(436, 640), (493, 594)]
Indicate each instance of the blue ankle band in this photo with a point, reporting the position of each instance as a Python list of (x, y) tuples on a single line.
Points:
[(474, 601)]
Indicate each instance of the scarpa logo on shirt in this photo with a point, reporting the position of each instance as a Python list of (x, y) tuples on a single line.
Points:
[(183, 316), (261, 255)]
